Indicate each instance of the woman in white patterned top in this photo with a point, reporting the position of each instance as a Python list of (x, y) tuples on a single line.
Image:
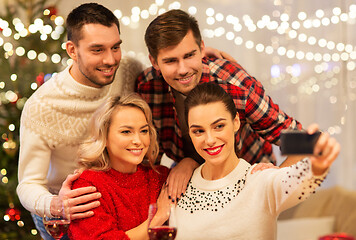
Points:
[(223, 200)]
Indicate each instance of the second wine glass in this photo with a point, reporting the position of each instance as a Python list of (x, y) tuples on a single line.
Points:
[(56, 217), (162, 231)]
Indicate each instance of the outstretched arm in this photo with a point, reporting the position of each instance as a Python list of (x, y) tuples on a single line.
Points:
[(293, 184), (326, 146), (325, 152)]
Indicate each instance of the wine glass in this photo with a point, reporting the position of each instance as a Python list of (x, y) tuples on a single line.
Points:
[(162, 231), (56, 217)]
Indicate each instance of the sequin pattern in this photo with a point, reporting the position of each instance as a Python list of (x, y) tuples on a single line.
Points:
[(196, 200), (299, 177)]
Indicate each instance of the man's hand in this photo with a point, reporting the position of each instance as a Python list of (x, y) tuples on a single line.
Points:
[(212, 52), (80, 200), (179, 176), (263, 166)]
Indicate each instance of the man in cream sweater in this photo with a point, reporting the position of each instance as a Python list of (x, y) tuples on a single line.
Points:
[(55, 118)]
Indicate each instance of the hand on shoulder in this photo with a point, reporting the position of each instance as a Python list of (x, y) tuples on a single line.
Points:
[(81, 200)]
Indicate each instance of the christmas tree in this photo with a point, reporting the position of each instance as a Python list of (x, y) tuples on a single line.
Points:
[(31, 50)]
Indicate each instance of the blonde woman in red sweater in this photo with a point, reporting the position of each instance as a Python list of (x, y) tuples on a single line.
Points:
[(117, 159)]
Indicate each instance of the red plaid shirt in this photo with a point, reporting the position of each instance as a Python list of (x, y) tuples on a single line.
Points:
[(261, 119)]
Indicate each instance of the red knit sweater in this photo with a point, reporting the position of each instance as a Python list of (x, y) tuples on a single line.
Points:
[(123, 205)]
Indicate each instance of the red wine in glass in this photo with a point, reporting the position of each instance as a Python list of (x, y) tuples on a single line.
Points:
[(57, 228), (162, 233), (56, 217)]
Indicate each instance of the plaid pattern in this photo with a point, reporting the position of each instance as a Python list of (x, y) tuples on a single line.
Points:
[(261, 119)]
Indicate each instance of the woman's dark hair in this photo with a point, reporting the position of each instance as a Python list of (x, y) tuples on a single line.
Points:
[(209, 93)]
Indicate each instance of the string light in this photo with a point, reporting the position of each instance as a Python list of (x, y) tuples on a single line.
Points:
[(330, 52), (13, 77), (34, 86), (285, 27), (174, 5), (37, 25), (12, 127), (34, 232)]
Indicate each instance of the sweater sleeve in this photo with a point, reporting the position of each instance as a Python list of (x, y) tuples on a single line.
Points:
[(34, 161), (289, 186), (98, 227), (265, 117)]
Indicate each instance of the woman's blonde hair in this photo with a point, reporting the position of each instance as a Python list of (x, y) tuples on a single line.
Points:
[(92, 152)]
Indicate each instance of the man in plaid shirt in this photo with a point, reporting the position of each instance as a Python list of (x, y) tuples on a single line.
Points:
[(176, 52)]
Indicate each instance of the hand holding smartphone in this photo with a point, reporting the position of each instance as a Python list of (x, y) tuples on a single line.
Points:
[(298, 142)]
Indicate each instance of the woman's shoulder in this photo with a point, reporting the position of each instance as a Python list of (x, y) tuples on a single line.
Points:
[(90, 177), (90, 172), (157, 172), (162, 169), (157, 169)]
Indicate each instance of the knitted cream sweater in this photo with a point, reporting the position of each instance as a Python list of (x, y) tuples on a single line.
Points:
[(53, 122)]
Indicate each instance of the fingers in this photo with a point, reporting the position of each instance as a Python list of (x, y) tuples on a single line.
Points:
[(313, 128), (81, 199), (81, 215), (179, 177), (80, 191), (82, 202), (70, 179), (163, 205), (216, 53), (327, 152), (84, 208), (263, 166), (163, 197), (176, 185), (164, 192), (172, 187), (321, 144), (212, 52), (228, 57), (169, 184), (182, 187), (333, 154)]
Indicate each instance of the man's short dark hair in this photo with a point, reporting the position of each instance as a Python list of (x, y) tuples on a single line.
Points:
[(169, 29), (85, 14)]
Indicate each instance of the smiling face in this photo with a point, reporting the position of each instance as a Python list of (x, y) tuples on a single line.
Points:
[(181, 65), (212, 130), (128, 139), (97, 55)]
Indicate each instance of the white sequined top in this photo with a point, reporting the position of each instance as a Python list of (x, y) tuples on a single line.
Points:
[(242, 205)]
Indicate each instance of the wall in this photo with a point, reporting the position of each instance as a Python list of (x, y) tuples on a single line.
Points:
[(309, 71)]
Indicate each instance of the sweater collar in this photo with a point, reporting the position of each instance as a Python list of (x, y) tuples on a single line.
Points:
[(210, 185), (129, 180), (74, 88)]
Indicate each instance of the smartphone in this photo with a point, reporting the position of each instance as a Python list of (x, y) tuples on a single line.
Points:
[(298, 142)]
